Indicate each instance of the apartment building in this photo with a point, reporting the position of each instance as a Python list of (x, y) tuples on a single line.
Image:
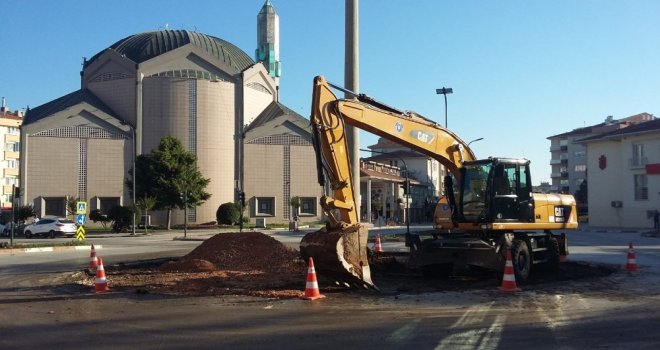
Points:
[(10, 134), (624, 175), (569, 157)]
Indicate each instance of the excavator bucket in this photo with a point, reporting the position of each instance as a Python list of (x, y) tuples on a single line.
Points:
[(340, 255)]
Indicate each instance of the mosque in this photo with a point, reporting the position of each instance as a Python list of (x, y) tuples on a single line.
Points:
[(208, 93)]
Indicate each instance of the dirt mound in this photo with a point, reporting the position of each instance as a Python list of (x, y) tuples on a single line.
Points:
[(243, 263), (238, 251)]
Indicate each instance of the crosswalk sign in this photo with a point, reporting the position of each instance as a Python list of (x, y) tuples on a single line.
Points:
[(81, 207)]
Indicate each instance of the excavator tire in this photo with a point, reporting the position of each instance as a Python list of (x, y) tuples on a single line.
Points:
[(339, 255), (521, 259)]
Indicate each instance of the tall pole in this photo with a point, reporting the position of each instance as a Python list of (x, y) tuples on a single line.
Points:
[(134, 171), (446, 126), (351, 82), (445, 91)]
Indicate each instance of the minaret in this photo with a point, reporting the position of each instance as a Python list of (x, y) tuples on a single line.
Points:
[(268, 41)]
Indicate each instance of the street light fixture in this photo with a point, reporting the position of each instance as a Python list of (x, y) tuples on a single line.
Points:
[(407, 189), (445, 91), (475, 140)]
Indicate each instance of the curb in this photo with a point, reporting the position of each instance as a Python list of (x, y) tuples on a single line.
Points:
[(11, 251)]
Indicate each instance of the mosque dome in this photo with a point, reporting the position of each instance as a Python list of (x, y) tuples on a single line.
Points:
[(145, 46)]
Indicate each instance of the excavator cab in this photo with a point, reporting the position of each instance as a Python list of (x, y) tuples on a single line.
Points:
[(496, 190)]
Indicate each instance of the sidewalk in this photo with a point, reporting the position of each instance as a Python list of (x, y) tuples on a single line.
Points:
[(645, 231)]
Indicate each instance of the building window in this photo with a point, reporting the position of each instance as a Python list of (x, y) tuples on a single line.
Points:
[(105, 204), (265, 206), (641, 188), (580, 168), (308, 206), (55, 206), (638, 159), (579, 153), (578, 182)]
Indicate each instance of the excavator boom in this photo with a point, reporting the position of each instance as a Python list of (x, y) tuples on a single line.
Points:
[(341, 247)]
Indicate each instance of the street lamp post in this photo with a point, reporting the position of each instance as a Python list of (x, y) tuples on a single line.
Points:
[(184, 196), (133, 175), (407, 189), (445, 91)]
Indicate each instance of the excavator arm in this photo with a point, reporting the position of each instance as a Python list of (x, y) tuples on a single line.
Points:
[(341, 246)]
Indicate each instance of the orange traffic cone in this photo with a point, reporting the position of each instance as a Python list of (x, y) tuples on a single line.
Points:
[(100, 283), (378, 248), (509, 279), (631, 264), (93, 260), (312, 286)]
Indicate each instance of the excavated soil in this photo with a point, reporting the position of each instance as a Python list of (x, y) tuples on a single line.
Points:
[(254, 264), (247, 263)]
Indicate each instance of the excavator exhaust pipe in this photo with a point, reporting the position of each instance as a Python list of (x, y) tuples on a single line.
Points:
[(340, 255)]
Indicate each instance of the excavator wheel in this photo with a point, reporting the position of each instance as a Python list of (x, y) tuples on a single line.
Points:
[(339, 255)]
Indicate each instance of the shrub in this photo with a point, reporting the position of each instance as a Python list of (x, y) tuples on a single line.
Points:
[(228, 214), (96, 216)]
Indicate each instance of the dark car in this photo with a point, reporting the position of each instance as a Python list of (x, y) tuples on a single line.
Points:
[(51, 227), (18, 230)]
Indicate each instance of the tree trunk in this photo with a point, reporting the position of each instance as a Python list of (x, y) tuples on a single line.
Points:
[(169, 218)]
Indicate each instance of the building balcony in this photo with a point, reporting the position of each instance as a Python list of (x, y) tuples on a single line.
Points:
[(555, 175), (11, 155), (636, 163), (7, 189), (9, 172), (9, 138), (555, 161), (555, 148)]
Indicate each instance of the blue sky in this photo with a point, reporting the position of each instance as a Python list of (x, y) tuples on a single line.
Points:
[(521, 70)]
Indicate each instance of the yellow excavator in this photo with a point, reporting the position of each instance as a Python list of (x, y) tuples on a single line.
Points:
[(492, 209)]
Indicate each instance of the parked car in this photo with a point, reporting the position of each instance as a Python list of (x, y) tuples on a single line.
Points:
[(51, 227), (6, 229)]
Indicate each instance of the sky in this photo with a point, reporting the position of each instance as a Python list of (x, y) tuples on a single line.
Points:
[(521, 70)]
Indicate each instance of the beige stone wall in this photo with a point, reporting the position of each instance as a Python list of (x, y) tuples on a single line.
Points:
[(105, 166), (53, 167), (263, 177), (119, 94), (304, 180), (215, 143), (166, 112)]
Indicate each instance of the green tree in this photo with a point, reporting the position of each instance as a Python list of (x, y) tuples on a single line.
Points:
[(121, 217), (24, 212), (295, 203), (72, 205), (582, 193), (146, 203), (166, 174), (96, 216), (228, 214)]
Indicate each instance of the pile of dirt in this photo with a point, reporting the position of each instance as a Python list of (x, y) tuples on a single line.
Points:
[(246, 251), (243, 263)]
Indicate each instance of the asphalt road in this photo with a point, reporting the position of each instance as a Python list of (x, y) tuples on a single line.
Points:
[(620, 311)]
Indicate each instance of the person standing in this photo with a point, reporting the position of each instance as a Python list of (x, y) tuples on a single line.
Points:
[(656, 220)]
